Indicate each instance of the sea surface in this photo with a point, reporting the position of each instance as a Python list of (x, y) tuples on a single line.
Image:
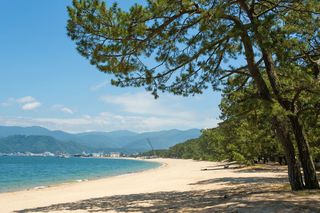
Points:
[(22, 172)]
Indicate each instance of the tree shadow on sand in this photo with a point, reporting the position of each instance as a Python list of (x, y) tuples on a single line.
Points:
[(244, 180), (264, 168), (239, 196)]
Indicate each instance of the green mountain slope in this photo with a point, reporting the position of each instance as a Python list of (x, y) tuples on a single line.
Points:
[(122, 141), (38, 144)]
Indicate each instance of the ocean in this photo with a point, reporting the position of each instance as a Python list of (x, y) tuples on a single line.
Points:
[(24, 172)]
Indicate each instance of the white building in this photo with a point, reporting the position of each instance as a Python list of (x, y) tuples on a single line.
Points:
[(114, 154)]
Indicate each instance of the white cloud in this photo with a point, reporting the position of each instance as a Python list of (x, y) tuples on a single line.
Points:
[(145, 104), (99, 85), (26, 99), (164, 113), (26, 103), (67, 110), (106, 121), (62, 108), (31, 106), (137, 112)]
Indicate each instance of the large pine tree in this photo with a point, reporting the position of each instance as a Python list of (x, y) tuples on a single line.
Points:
[(189, 42)]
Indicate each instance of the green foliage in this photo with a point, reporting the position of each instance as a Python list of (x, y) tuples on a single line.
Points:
[(190, 43), (226, 143)]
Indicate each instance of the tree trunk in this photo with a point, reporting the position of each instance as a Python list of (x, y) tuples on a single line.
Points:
[(309, 170), (294, 173)]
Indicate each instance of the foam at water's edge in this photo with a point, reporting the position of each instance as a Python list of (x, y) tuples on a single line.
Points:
[(81, 180), (40, 187)]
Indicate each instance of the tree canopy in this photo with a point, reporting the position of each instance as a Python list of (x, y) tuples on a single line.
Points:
[(263, 54)]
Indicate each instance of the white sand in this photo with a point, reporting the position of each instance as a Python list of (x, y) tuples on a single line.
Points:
[(174, 175)]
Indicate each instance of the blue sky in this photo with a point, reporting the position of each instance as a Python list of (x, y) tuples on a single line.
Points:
[(45, 82)]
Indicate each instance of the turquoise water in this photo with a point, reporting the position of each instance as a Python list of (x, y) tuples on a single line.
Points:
[(18, 173)]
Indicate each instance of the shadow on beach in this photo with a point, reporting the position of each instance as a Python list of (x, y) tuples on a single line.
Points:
[(239, 195), (244, 180)]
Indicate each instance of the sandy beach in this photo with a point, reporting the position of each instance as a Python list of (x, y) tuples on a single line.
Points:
[(176, 186)]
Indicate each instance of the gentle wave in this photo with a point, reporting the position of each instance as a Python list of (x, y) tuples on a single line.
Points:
[(40, 187), (82, 180)]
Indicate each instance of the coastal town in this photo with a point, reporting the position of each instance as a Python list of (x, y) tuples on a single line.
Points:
[(66, 155)]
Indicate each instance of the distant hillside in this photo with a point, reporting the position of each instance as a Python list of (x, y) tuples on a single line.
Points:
[(162, 139), (6, 131), (123, 141), (38, 144), (103, 140)]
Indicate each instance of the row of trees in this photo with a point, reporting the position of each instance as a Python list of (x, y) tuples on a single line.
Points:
[(185, 47), (245, 136), (234, 141)]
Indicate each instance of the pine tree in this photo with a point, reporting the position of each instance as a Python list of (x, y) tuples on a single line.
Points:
[(190, 42)]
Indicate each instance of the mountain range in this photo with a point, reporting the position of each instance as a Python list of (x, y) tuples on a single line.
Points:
[(39, 144), (14, 138)]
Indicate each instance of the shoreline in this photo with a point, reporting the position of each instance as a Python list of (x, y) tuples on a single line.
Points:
[(6, 198), (175, 186), (67, 182)]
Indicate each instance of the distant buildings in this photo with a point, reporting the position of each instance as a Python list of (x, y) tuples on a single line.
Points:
[(66, 155), (115, 155), (45, 154), (97, 155)]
